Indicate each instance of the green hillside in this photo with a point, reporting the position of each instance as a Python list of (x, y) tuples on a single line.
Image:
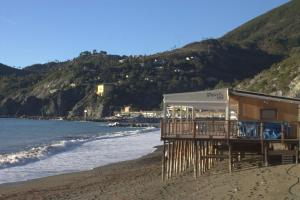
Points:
[(8, 71), (68, 88), (282, 78), (276, 32)]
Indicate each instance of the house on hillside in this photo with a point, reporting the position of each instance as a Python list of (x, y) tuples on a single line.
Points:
[(104, 89)]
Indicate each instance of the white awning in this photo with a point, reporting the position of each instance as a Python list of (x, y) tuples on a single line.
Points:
[(210, 99)]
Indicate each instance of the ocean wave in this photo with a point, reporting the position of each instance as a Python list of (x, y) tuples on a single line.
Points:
[(68, 143)]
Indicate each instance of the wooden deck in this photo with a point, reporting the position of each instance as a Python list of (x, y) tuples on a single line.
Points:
[(201, 143), (224, 129)]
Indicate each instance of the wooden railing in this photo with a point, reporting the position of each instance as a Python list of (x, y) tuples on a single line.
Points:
[(229, 129)]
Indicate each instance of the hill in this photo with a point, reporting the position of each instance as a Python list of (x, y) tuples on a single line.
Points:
[(282, 78), (276, 32), (8, 71), (68, 88)]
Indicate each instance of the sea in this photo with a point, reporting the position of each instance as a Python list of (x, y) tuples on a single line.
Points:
[(31, 149)]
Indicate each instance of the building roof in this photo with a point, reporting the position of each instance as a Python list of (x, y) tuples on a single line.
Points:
[(219, 97), (264, 96), (205, 99)]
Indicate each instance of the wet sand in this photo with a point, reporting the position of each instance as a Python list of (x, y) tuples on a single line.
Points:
[(141, 179)]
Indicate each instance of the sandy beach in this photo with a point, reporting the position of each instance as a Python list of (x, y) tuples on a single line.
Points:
[(141, 179)]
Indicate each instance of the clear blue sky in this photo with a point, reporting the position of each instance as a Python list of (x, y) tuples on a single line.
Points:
[(38, 31)]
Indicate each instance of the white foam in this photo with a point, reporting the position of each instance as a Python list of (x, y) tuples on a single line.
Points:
[(44, 151), (87, 156), (36, 153)]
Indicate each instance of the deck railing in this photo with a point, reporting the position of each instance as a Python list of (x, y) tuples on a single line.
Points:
[(227, 129)]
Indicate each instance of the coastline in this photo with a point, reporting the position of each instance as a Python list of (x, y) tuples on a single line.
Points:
[(141, 179), (125, 122)]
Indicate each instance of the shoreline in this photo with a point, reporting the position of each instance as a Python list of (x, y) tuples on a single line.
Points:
[(155, 149), (141, 179), (127, 122)]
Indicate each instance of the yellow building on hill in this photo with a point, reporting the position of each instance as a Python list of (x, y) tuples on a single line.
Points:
[(104, 89)]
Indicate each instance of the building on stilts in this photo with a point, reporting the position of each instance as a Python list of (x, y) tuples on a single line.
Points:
[(199, 129)]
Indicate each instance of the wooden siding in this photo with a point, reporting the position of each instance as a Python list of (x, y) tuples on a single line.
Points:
[(250, 108)]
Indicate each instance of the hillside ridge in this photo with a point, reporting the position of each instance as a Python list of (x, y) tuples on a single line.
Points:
[(68, 88)]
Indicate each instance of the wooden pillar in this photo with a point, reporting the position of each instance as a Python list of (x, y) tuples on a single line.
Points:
[(172, 160), (190, 160), (187, 112), (175, 157), (296, 154), (181, 120), (204, 156), (164, 110), (266, 154), (163, 161), (206, 159), (209, 153), (162, 129), (193, 112), (179, 156), (201, 156), (168, 160), (215, 152), (227, 116), (230, 158), (261, 131), (191, 153), (195, 159), (282, 133), (185, 155)]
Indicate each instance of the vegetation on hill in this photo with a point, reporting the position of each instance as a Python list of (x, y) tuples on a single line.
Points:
[(276, 32), (282, 78), (8, 71), (68, 88)]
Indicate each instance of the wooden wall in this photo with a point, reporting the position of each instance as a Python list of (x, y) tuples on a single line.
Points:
[(250, 108)]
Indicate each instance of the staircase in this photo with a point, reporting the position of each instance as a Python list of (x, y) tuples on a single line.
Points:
[(287, 159)]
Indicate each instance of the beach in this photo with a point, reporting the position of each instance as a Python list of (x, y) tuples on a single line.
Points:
[(141, 179)]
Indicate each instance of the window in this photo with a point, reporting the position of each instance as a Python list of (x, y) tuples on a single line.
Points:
[(268, 114)]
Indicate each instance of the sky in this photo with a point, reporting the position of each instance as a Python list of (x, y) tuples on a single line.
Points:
[(40, 31)]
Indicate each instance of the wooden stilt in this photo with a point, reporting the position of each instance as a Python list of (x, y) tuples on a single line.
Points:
[(195, 159), (210, 153), (179, 159), (175, 157), (178, 156), (202, 157), (296, 154), (168, 161), (191, 151), (163, 161), (185, 155), (205, 156), (205, 153), (266, 155), (263, 152), (189, 154), (230, 158), (216, 151)]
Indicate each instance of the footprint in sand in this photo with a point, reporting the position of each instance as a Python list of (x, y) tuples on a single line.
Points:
[(261, 196), (250, 195)]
